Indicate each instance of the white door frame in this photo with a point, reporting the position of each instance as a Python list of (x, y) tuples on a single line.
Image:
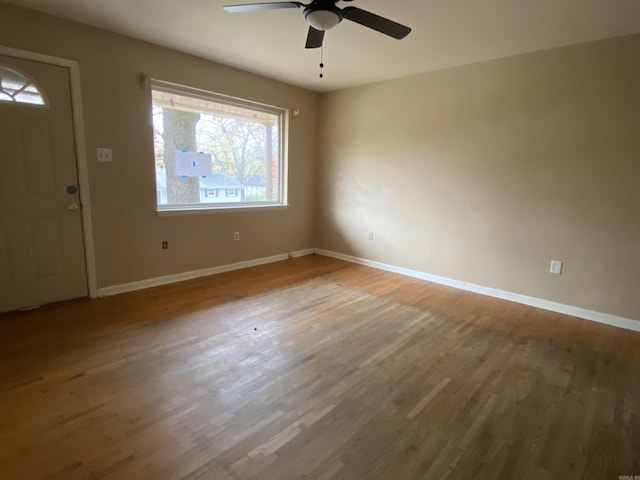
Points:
[(81, 151)]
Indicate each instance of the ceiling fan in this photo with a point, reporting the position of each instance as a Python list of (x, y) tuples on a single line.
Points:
[(322, 15)]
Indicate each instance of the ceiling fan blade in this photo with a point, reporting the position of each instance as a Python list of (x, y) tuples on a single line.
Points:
[(376, 22), (254, 7), (314, 38)]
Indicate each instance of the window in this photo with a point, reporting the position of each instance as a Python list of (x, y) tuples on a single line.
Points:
[(210, 149), (16, 88)]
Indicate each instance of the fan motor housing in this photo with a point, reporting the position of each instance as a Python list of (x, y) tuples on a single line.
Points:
[(323, 15)]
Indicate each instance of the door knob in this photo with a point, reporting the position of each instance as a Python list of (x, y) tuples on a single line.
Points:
[(72, 207)]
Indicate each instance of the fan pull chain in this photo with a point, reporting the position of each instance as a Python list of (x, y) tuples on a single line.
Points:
[(321, 60)]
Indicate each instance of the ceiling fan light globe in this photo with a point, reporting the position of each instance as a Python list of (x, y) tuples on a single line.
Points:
[(322, 19)]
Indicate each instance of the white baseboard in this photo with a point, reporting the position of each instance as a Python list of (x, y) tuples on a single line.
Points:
[(579, 312), (180, 277), (592, 315)]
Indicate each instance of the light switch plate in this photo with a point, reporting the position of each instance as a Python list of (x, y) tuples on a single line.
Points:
[(104, 154)]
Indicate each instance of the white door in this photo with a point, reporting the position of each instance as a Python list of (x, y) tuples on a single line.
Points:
[(41, 242)]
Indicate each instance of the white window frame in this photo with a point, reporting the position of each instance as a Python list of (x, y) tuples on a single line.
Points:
[(283, 138)]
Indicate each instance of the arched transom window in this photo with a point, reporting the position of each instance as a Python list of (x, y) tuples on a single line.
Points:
[(15, 87)]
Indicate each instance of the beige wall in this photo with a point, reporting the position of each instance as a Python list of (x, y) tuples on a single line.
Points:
[(127, 232), (486, 172)]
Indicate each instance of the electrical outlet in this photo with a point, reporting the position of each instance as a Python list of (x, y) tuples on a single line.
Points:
[(370, 235), (165, 245), (104, 154), (236, 236), (556, 267)]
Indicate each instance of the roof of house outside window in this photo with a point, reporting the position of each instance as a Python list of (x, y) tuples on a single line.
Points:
[(219, 180), (215, 180), (256, 181)]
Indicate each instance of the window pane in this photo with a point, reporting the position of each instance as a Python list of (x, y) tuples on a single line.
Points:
[(29, 97), (211, 152), (15, 87)]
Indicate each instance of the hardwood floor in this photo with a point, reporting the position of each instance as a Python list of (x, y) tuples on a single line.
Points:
[(314, 369)]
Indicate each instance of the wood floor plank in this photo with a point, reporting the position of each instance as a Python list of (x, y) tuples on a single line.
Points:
[(314, 369)]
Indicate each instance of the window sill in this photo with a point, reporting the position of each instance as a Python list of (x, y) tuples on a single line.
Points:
[(170, 212)]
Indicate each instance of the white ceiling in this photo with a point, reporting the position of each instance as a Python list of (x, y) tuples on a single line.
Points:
[(446, 33)]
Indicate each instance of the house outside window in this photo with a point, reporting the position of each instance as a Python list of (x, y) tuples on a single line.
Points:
[(214, 152)]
